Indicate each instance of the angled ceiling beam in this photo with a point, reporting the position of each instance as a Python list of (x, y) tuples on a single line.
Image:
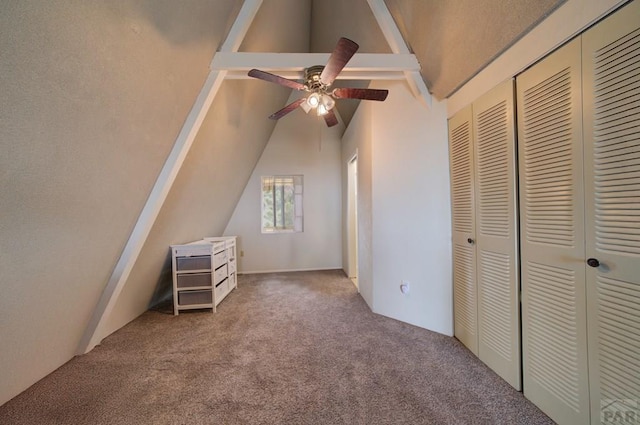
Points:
[(94, 332), (368, 66), (398, 45)]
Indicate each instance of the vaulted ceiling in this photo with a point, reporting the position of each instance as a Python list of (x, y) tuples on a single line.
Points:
[(452, 40)]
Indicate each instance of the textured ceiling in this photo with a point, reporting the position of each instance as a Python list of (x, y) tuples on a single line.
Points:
[(453, 40)]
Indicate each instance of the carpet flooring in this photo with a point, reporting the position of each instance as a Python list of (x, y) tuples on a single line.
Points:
[(284, 348)]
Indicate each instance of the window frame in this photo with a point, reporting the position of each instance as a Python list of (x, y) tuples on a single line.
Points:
[(297, 212)]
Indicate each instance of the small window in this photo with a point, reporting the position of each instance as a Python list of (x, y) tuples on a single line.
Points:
[(281, 204)]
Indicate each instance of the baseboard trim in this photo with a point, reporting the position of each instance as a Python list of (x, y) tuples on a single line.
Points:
[(315, 269)]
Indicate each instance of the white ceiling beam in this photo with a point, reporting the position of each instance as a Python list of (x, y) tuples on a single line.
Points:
[(240, 26), (344, 75), (282, 62), (95, 329), (397, 44)]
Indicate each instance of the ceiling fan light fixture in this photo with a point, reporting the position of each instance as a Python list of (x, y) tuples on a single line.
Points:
[(313, 100), (328, 102), (322, 110), (305, 107)]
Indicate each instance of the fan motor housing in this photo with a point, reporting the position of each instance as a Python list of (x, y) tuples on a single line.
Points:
[(312, 78)]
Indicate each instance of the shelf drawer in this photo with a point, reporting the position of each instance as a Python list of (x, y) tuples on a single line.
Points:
[(218, 246), (220, 274), (222, 289), (193, 279), (232, 266), (202, 262), (195, 297), (192, 250), (219, 259)]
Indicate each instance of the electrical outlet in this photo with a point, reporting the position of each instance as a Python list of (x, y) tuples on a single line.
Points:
[(405, 287), (242, 252)]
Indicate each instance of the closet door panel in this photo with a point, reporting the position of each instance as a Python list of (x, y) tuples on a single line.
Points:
[(611, 67), (496, 233), (463, 229), (549, 104)]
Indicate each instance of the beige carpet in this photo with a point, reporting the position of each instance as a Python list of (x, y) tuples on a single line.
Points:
[(294, 348)]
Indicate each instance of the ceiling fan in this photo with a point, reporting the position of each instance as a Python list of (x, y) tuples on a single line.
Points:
[(318, 80)]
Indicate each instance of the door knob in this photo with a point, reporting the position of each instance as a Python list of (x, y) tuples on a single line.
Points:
[(593, 262), (471, 241)]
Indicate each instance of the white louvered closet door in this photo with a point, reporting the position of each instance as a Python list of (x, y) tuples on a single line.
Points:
[(554, 331), (611, 67), (496, 233), (463, 229)]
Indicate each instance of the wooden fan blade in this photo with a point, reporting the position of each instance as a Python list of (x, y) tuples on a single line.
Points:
[(272, 78), (330, 118), (344, 51), (289, 108), (365, 94)]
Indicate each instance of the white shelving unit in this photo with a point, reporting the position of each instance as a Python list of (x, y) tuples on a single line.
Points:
[(204, 273)]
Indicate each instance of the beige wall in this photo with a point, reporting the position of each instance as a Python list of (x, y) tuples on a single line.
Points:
[(411, 210), (300, 144), (404, 229), (357, 139), (93, 97)]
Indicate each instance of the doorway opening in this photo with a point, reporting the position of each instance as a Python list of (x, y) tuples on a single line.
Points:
[(352, 219)]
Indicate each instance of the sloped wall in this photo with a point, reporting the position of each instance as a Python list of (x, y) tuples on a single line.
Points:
[(205, 192), (453, 40), (93, 95), (219, 163), (563, 24)]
